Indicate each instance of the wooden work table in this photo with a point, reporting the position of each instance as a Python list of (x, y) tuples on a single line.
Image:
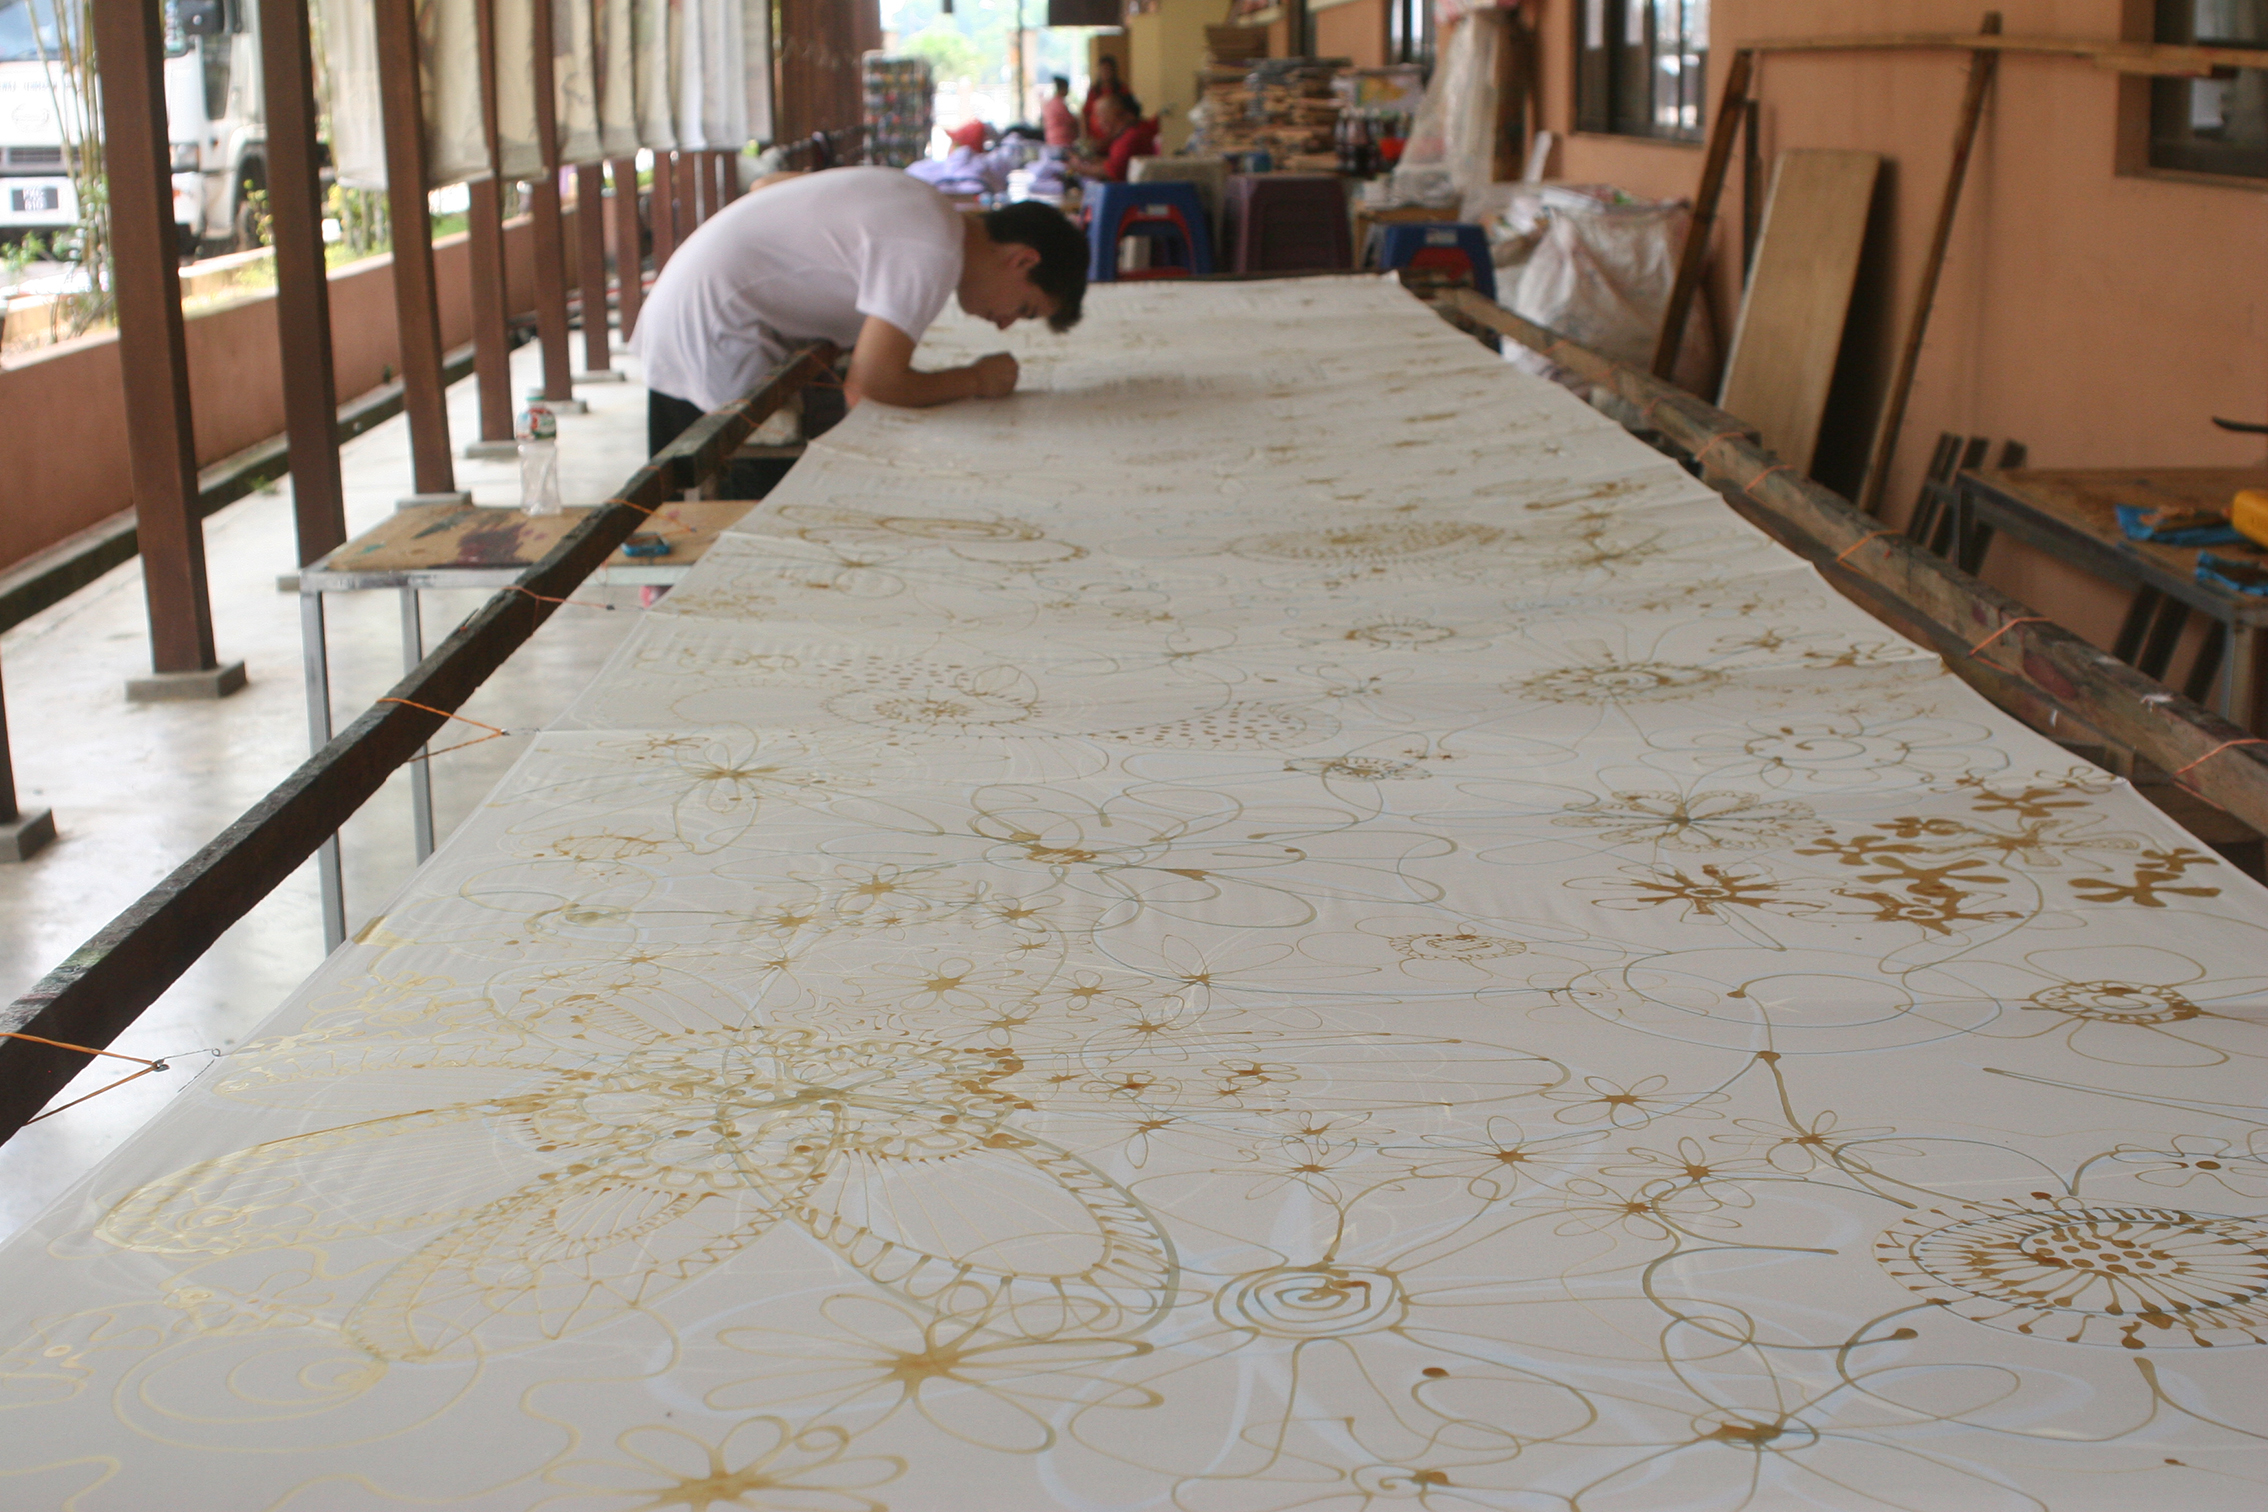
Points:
[(484, 546), (2072, 516)]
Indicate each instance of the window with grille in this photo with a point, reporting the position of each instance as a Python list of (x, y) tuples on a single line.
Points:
[(1641, 67), (2216, 125)]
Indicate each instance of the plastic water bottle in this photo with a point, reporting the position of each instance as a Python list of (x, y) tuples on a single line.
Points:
[(539, 461)]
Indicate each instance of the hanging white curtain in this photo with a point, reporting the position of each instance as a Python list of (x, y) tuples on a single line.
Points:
[(756, 68), (456, 143), (692, 76), (652, 32), (574, 77), (724, 101), (350, 60), (518, 147), (456, 139), (617, 78)]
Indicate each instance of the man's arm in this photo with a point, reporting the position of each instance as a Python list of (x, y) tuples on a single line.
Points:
[(882, 368)]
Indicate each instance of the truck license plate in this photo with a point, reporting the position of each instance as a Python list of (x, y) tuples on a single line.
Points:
[(45, 197)]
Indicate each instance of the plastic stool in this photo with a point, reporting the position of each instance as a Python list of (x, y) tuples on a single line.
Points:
[(1171, 216), (1283, 222), (1456, 249)]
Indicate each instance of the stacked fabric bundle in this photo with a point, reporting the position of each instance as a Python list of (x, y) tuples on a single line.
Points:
[(1288, 919), (1284, 106)]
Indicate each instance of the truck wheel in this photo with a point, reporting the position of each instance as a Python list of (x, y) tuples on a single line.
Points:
[(251, 224)]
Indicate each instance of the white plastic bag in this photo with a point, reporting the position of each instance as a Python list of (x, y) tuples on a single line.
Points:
[(1602, 274)]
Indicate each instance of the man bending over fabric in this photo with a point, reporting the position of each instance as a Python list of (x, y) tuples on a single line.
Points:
[(862, 257)]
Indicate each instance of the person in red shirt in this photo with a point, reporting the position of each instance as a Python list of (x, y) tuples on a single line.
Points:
[(1105, 84), (1122, 137), (1058, 126)]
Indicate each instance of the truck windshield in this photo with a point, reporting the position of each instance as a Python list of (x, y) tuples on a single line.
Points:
[(18, 43)]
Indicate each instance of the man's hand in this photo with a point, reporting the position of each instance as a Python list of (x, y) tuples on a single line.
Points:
[(996, 375), (882, 368)]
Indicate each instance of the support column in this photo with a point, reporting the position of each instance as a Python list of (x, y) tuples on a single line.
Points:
[(661, 198), (303, 284), (688, 202), (153, 359), (484, 223), (728, 178), (629, 253), (23, 834), (550, 229), (590, 265), (417, 309)]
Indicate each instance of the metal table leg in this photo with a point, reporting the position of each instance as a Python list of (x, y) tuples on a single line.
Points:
[(315, 654), (421, 767)]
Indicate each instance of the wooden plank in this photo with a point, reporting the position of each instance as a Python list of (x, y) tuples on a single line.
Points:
[(1799, 294), (106, 983), (1694, 257), (432, 536), (2057, 669), (1983, 69), (2161, 58)]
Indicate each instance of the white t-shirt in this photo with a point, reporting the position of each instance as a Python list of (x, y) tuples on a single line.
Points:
[(803, 260)]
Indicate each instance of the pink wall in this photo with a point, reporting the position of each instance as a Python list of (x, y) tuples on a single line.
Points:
[(65, 410), (2096, 317)]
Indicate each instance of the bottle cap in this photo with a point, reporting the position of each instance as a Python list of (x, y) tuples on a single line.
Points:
[(538, 423)]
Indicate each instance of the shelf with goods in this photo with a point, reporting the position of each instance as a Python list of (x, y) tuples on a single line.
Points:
[(1286, 107), (900, 108)]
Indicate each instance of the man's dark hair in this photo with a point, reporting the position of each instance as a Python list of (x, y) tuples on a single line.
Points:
[(1061, 272), (1062, 85)]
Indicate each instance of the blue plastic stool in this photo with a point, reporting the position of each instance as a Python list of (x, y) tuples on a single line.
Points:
[(1170, 215), (1454, 248)]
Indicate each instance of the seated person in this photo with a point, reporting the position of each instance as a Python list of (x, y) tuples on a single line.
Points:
[(1123, 137), (1104, 84)]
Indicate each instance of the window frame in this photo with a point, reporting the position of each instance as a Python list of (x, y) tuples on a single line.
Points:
[(1611, 75), (2171, 149)]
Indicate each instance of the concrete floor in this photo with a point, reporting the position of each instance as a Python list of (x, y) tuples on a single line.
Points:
[(137, 789)]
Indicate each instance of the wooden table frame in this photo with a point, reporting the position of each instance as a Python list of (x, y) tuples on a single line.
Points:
[(2043, 508), (104, 985)]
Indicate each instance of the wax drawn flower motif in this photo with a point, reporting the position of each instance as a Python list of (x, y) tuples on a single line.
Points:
[(1655, 1211), (877, 1357), (942, 986), (1630, 1105), (2203, 1160), (1799, 1147), (1715, 820), (711, 787), (923, 699), (2156, 878), (1380, 540), (1714, 892), (1504, 1158), (1314, 1154), (1835, 750), (629, 1154), (1609, 679), (1688, 1162), (1358, 768), (2130, 1005), (1462, 944), (606, 849), (761, 1465), (56, 1358), (1400, 633), (2086, 1273)]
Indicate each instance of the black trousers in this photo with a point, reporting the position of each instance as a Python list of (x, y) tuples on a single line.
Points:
[(668, 417)]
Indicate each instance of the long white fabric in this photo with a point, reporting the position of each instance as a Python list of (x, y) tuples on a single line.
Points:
[(1288, 919)]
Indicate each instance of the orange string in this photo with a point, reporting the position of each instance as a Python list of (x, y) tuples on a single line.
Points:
[(147, 1067), (38, 1039), (1715, 441), (1758, 481), (2027, 619), (654, 516), (545, 598), (493, 732), (1861, 541), (2217, 750)]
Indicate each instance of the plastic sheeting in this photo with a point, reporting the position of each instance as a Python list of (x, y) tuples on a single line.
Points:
[(617, 79), (654, 27), (449, 41), (574, 77), (1452, 146)]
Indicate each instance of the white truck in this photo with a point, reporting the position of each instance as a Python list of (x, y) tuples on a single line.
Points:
[(215, 121)]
